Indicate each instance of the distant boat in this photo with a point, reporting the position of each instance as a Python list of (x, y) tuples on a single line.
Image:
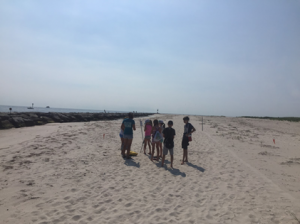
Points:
[(30, 107), (47, 107)]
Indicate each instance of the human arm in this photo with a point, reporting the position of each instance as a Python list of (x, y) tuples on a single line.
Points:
[(123, 126), (133, 127), (192, 129)]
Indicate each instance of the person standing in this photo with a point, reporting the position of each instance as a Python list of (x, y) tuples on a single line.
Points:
[(156, 137), (168, 134), (162, 126), (148, 130), (187, 136), (127, 126)]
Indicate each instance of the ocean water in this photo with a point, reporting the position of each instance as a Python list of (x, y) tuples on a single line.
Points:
[(5, 109)]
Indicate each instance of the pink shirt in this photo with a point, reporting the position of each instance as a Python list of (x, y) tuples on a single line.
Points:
[(148, 130)]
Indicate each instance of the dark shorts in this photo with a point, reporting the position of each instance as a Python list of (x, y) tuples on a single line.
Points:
[(128, 136), (185, 142)]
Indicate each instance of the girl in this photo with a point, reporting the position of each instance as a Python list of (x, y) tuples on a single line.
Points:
[(162, 126), (156, 137), (148, 130)]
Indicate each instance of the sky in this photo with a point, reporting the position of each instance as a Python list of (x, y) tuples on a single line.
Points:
[(230, 58)]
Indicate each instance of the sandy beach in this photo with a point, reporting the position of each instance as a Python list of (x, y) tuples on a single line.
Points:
[(72, 173)]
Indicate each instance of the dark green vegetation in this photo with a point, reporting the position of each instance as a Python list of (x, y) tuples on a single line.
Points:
[(293, 119)]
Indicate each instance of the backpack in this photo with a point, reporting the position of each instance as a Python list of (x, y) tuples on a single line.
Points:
[(157, 136)]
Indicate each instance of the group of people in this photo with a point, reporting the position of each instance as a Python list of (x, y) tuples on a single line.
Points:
[(158, 136)]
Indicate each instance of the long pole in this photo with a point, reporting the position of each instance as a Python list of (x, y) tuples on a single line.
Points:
[(202, 123), (141, 124)]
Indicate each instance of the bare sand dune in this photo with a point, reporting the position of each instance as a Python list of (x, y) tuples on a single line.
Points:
[(69, 173)]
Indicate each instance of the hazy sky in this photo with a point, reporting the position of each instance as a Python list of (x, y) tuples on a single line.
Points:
[(210, 57)]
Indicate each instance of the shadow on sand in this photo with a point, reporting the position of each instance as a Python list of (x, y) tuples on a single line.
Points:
[(196, 167), (131, 162), (174, 171)]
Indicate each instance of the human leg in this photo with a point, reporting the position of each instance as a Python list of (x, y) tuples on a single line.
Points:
[(128, 147), (184, 144), (160, 149), (162, 160), (165, 152), (125, 142), (186, 155), (149, 144), (153, 148), (157, 150), (145, 145), (172, 153), (122, 146)]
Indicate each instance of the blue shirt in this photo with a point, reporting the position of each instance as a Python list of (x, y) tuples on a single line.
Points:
[(128, 123)]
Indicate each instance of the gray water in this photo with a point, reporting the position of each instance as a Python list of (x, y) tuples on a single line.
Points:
[(5, 109)]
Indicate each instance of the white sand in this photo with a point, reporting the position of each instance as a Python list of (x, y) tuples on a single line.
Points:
[(69, 173)]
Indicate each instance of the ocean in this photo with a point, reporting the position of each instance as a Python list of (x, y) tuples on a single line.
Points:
[(5, 109)]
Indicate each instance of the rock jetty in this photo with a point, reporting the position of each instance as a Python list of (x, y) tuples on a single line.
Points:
[(27, 119)]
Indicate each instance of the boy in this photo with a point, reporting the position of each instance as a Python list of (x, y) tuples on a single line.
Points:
[(188, 130), (168, 134)]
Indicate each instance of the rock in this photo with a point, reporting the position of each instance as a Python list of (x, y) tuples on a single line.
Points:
[(63, 117), (28, 122), (44, 120), (54, 117), (18, 122), (4, 116), (5, 124)]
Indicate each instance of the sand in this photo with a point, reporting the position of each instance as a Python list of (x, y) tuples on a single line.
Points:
[(69, 173)]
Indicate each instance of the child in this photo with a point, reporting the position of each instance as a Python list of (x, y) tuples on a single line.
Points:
[(162, 126), (127, 126), (169, 134), (156, 137), (148, 130), (188, 130)]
